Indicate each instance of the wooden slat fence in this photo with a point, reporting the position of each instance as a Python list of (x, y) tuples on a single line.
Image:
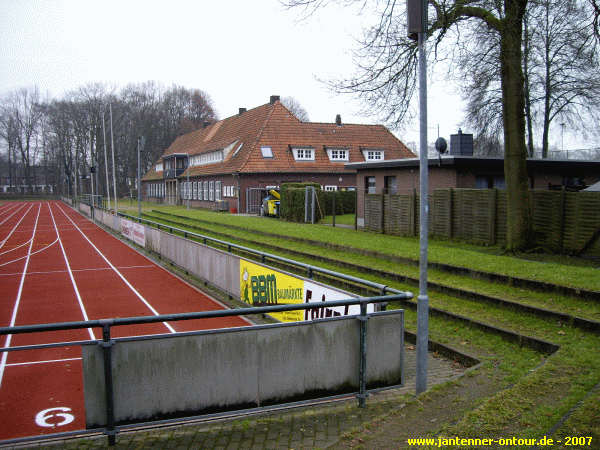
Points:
[(567, 222)]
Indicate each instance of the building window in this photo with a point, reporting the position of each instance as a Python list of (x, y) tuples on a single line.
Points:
[(373, 155), (205, 190), (267, 152), (337, 154), (211, 191), (217, 191), (304, 154), (159, 167), (195, 190), (390, 185), (370, 185), (331, 188)]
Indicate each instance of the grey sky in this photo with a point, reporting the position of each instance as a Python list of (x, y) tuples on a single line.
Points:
[(238, 51)]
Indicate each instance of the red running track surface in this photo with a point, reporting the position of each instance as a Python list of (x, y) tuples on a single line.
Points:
[(57, 266)]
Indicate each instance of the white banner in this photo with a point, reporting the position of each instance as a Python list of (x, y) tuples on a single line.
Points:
[(134, 232)]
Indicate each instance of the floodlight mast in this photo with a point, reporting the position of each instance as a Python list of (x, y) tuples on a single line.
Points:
[(417, 29)]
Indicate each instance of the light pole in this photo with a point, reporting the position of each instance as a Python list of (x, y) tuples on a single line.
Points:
[(140, 144), (188, 190), (417, 28)]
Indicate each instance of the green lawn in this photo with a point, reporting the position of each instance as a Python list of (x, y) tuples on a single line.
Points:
[(533, 393), (559, 270)]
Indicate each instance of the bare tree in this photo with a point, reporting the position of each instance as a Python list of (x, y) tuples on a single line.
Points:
[(21, 118), (295, 108), (386, 76)]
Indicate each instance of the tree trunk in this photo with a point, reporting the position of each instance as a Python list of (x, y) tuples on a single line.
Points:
[(526, 50), (513, 105), (547, 84)]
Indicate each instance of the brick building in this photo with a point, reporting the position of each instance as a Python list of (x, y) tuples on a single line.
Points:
[(468, 172), (228, 165)]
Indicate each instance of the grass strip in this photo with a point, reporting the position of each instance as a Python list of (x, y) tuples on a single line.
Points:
[(444, 252)]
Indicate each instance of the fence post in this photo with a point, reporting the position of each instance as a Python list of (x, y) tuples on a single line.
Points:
[(362, 371), (494, 200), (413, 212), (561, 236), (107, 344), (382, 213), (450, 212), (333, 207)]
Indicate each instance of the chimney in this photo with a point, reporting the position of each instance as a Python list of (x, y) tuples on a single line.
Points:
[(461, 144), (242, 111), (338, 120), (273, 99)]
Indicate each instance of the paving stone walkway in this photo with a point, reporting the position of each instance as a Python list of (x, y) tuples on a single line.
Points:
[(314, 426)]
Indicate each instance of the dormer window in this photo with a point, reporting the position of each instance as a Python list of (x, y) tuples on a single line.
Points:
[(337, 154), (304, 153), (267, 152), (373, 155), (159, 167)]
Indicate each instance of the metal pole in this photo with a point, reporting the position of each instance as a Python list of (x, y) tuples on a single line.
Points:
[(334, 193), (188, 190), (423, 299), (306, 204), (362, 371), (107, 344), (312, 205), (106, 161), (139, 183), (112, 147)]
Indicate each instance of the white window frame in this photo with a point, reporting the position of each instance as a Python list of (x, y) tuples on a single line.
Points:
[(373, 154), (211, 191), (267, 151), (330, 188), (205, 190), (218, 191), (304, 153), (335, 154)]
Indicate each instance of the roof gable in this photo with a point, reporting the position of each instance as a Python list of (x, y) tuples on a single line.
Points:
[(273, 125)]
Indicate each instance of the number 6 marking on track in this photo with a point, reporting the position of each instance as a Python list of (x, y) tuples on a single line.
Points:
[(41, 419)]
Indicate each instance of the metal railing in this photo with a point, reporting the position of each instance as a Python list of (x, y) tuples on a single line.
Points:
[(107, 343), (310, 270)]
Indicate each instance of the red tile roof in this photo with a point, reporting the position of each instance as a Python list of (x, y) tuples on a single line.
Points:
[(273, 125)]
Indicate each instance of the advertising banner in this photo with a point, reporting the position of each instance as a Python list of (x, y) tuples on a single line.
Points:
[(265, 286), (134, 232)]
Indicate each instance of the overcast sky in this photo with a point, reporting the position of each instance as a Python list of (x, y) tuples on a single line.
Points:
[(238, 51)]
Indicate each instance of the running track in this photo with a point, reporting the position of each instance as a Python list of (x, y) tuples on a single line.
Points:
[(57, 266)]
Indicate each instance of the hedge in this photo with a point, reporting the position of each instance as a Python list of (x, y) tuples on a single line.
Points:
[(345, 202), (291, 206)]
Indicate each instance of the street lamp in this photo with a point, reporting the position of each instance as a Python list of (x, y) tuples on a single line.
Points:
[(417, 29)]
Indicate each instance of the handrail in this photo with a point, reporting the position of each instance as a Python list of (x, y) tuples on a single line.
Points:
[(382, 288), (107, 342), (101, 323)]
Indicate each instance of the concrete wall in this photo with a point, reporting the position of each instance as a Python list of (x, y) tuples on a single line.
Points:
[(244, 367), (219, 268)]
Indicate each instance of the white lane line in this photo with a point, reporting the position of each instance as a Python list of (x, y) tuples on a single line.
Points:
[(15, 248), (15, 227), (18, 300), (14, 212), (30, 363), (29, 254), (49, 272), (73, 282), (154, 311)]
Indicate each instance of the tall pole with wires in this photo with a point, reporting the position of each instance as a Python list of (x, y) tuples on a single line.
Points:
[(112, 147), (105, 160)]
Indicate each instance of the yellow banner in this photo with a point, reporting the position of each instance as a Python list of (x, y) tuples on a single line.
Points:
[(263, 286)]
